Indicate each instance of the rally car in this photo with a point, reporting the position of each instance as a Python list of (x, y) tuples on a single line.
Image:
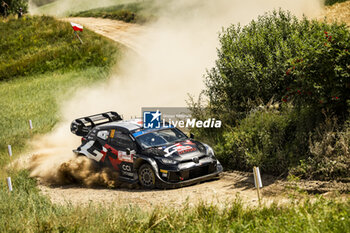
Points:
[(162, 157)]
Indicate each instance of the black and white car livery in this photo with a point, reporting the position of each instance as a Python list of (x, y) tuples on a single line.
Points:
[(164, 157)]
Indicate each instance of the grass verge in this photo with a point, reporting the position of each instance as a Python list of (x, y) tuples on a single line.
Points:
[(37, 98), (26, 210)]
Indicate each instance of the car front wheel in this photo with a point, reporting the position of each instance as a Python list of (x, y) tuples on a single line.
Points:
[(147, 177)]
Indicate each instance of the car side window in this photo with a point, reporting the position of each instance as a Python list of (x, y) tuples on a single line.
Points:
[(122, 141)]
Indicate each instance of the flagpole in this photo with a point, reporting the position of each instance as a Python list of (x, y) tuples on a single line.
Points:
[(78, 37)]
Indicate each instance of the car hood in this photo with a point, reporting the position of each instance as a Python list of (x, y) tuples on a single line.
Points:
[(180, 151)]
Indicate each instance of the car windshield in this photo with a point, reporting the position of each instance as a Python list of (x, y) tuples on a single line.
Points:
[(161, 138)]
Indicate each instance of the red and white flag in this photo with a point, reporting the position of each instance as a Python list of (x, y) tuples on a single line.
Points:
[(76, 27)]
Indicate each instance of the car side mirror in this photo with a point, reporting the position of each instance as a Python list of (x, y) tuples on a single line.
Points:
[(128, 152), (191, 135)]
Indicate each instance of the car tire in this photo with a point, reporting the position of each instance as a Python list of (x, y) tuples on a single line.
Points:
[(147, 176)]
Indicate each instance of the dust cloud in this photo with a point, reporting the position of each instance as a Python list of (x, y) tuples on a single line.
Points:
[(174, 53), (54, 163)]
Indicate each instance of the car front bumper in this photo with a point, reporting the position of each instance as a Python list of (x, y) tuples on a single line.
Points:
[(189, 176)]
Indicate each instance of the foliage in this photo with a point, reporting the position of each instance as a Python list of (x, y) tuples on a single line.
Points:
[(38, 214), (35, 45), (282, 57), (301, 66), (329, 153), (271, 137), (137, 12), (13, 7), (331, 2)]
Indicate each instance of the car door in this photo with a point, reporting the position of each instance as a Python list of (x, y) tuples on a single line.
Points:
[(124, 148)]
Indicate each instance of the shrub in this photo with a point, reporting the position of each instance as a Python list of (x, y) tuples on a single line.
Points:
[(329, 153), (331, 2), (304, 66), (271, 137), (282, 57)]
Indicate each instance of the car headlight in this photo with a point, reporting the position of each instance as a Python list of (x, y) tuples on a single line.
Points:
[(168, 161), (210, 151)]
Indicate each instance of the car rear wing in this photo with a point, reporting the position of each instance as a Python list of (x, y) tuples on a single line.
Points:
[(82, 126)]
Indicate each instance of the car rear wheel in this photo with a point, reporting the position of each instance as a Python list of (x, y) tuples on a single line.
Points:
[(147, 177)]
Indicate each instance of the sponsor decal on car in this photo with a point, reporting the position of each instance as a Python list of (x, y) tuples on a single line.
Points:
[(112, 133), (122, 156), (126, 167), (180, 148)]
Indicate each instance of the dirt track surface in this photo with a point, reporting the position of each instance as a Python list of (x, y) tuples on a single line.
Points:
[(119, 31), (217, 191), (220, 192)]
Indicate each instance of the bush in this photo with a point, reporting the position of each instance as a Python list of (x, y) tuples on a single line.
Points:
[(258, 140), (271, 137), (304, 66), (331, 2), (279, 56), (329, 153)]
